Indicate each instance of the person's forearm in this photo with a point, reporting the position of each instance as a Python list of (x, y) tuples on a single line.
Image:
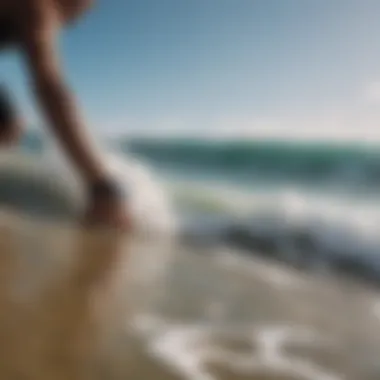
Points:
[(64, 119)]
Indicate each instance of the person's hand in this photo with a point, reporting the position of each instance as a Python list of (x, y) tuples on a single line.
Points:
[(106, 208)]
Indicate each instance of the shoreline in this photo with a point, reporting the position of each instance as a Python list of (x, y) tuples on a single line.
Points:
[(80, 305)]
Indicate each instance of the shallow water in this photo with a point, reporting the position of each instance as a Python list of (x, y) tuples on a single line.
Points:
[(90, 305), (84, 305)]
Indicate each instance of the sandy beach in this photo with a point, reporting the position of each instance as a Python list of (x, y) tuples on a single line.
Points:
[(84, 305)]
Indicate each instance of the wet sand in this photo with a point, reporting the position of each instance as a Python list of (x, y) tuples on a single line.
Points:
[(82, 305)]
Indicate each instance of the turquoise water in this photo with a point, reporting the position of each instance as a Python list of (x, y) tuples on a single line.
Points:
[(251, 163), (311, 205)]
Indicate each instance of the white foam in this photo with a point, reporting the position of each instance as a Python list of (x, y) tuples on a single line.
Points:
[(188, 348), (331, 222), (146, 199)]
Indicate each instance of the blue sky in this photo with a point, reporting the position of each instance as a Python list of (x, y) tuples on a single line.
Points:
[(223, 68)]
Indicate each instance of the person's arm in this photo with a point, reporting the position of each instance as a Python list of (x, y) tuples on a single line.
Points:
[(57, 102)]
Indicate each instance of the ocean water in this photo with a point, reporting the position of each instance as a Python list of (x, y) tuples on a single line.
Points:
[(275, 272), (311, 205), (315, 206)]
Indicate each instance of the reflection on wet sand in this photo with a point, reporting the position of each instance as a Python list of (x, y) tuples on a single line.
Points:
[(55, 310), (82, 305)]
